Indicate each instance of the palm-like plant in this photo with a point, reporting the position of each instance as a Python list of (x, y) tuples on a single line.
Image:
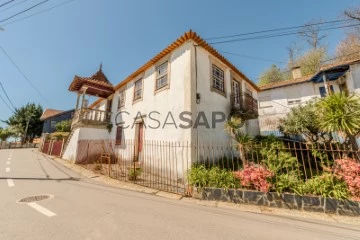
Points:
[(341, 113), (243, 141)]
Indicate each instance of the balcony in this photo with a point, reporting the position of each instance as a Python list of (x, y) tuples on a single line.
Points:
[(91, 118), (244, 105)]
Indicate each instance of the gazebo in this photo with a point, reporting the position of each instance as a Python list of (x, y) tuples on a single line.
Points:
[(99, 86)]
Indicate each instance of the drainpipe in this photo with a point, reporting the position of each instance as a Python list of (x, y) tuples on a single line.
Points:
[(325, 83), (197, 96)]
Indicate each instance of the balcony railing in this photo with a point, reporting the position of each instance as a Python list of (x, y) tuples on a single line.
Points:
[(88, 116), (245, 105)]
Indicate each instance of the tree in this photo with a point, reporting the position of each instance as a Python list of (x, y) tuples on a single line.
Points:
[(353, 14), (311, 34), (340, 113), (5, 133), (349, 48), (271, 75), (63, 126), (302, 120), (311, 61), (26, 121)]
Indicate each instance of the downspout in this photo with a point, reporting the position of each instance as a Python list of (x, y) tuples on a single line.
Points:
[(325, 83), (197, 99)]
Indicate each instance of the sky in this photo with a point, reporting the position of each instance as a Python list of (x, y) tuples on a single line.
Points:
[(74, 38)]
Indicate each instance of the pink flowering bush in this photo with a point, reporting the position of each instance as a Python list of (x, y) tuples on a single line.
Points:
[(254, 177), (349, 170)]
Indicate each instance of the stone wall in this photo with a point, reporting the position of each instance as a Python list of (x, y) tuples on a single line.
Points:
[(288, 201)]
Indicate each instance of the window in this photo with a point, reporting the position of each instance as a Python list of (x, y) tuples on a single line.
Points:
[(218, 78), (119, 133), (294, 101), (121, 99), (162, 75), (138, 89), (322, 91), (53, 124)]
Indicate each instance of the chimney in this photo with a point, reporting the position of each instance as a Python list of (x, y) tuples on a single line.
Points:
[(296, 72)]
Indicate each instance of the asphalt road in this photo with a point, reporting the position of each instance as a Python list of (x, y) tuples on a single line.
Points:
[(84, 209)]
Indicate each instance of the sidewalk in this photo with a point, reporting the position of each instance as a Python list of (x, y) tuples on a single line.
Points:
[(294, 214)]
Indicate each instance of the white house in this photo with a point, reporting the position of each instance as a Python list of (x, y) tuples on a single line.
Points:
[(276, 99), (183, 94)]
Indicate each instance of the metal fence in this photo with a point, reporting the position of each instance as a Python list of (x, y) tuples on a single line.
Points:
[(8, 145), (164, 165)]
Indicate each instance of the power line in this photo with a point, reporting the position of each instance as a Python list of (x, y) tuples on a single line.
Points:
[(278, 35), (34, 14), (251, 57), (7, 96), (24, 76), (16, 4), (23, 11), (1, 97), (6, 3), (279, 29)]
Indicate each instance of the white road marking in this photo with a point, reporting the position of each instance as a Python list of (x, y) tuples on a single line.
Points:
[(41, 209), (8, 163), (7, 169), (10, 182)]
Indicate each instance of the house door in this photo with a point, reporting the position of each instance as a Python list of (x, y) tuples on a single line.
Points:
[(236, 92), (139, 139)]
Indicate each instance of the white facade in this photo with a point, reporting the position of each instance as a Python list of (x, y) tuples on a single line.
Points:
[(189, 90), (275, 103)]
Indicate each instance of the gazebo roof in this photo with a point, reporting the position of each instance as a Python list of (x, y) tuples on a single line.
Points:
[(96, 85)]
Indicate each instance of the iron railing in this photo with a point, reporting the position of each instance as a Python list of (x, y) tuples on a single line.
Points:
[(165, 165), (244, 104)]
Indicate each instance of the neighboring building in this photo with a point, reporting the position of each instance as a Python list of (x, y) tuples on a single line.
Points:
[(52, 116), (186, 82), (276, 99)]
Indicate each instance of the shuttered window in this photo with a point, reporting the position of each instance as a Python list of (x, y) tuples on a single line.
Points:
[(119, 133), (138, 89), (162, 75)]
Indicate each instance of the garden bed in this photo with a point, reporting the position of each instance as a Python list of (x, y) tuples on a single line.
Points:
[(285, 200)]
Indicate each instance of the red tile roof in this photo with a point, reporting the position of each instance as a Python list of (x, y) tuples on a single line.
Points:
[(96, 80), (190, 35), (306, 78), (49, 113), (285, 83)]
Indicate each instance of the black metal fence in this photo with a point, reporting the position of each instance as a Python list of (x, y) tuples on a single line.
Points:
[(165, 165)]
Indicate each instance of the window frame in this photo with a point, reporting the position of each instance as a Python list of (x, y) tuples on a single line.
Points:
[(119, 106), (215, 79), (223, 68), (119, 140), (141, 79), (158, 77)]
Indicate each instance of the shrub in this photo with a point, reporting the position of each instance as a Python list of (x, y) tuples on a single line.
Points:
[(201, 177), (222, 178), (255, 177), (134, 173), (277, 160), (63, 126), (198, 176), (288, 182), (326, 185), (349, 171)]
